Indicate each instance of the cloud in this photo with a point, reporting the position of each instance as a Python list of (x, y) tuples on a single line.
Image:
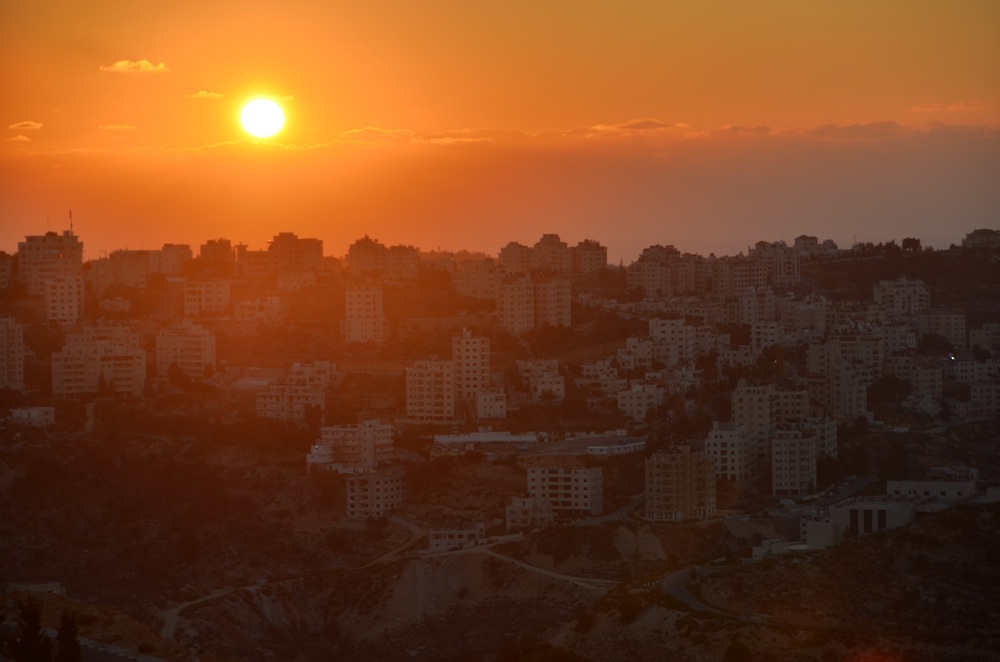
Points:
[(19, 139), (26, 125), (743, 131), (632, 128), (957, 105), (377, 135), (134, 67), (203, 94), (870, 131), (117, 127)]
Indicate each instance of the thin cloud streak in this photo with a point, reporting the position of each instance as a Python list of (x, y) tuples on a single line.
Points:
[(134, 67), (204, 94), (26, 126)]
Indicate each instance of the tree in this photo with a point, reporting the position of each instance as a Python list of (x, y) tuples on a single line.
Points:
[(30, 645), (737, 651), (69, 644), (911, 245)]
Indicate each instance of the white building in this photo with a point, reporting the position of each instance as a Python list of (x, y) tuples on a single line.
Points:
[(901, 298), (289, 403), (206, 297), (430, 391), (64, 299), (733, 450), (11, 354), (640, 399), (793, 462), (471, 357), (680, 485), (42, 258), (36, 417), (529, 513), (364, 321), (461, 537), (491, 403), (188, 346), (931, 490), (374, 494), (570, 490), (352, 448), (109, 357)]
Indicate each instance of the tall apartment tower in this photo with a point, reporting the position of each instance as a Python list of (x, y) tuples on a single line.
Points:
[(680, 485), (471, 356), (11, 354), (364, 321), (430, 391), (42, 258), (51, 266), (516, 304)]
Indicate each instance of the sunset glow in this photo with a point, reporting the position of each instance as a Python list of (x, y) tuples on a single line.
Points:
[(708, 126)]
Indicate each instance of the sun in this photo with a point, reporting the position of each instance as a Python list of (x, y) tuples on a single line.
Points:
[(262, 118)]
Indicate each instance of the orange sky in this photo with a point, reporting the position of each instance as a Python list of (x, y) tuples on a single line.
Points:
[(447, 124)]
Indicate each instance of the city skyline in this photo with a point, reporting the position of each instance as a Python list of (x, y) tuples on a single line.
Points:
[(455, 127)]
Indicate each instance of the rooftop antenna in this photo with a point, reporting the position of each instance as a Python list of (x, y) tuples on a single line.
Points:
[(71, 221)]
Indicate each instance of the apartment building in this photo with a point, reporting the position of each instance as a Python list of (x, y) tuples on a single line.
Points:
[(471, 357), (289, 253), (639, 399), (374, 494), (11, 354), (99, 358), (206, 297), (680, 485), (794, 453), (673, 341), (733, 450), (364, 320), (42, 258), (430, 391), (189, 346), (352, 448), (901, 298), (571, 490), (491, 403), (588, 256), (529, 513)]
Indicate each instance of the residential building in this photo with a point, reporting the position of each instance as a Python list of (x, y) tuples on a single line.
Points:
[(572, 490), (793, 463), (525, 512), (471, 357), (42, 258), (491, 403), (733, 450), (552, 254), (64, 298), (588, 256), (206, 297), (352, 448), (516, 304), (640, 399), (374, 494), (680, 485), (430, 391), (364, 321), (901, 298), (99, 358), (188, 346), (11, 354), (35, 417)]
